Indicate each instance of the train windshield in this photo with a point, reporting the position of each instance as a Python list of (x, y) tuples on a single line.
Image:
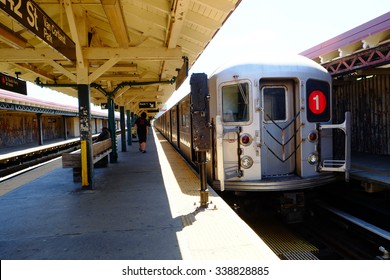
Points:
[(235, 102), (274, 103)]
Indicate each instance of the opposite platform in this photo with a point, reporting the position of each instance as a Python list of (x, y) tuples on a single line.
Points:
[(141, 208)]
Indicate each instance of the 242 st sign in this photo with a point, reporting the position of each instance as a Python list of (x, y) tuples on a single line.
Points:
[(32, 17)]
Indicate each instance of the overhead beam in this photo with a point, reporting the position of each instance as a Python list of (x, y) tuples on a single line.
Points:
[(177, 22), (11, 38), (62, 70), (102, 69), (131, 68), (35, 70), (368, 58), (203, 21), (31, 55), (114, 13), (133, 53), (222, 5), (74, 31), (119, 78)]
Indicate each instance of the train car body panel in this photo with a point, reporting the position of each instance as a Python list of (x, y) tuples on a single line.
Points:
[(266, 118)]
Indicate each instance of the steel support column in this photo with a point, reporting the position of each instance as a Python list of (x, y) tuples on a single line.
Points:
[(65, 127), (40, 128), (123, 128), (112, 128), (85, 136), (128, 123)]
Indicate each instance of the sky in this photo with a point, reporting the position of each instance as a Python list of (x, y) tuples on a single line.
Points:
[(288, 26), (285, 26)]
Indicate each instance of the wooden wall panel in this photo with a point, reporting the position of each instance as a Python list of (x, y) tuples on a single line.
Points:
[(368, 99)]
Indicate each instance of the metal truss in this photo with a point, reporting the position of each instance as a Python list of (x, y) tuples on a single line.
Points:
[(368, 58), (33, 109)]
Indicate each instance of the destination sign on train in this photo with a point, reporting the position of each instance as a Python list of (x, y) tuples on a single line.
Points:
[(32, 17), (146, 105), (317, 102), (13, 84)]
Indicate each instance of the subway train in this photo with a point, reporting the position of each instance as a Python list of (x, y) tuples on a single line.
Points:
[(268, 126)]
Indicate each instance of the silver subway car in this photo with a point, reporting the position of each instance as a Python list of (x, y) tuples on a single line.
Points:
[(270, 123)]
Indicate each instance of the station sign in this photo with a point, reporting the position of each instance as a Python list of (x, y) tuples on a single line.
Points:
[(31, 16), (104, 106), (12, 84), (147, 105), (318, 101)]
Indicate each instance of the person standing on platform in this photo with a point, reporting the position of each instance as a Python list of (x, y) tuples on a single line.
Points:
[(142, 125)]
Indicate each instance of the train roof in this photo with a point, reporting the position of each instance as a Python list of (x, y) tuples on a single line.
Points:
[(270, 62)]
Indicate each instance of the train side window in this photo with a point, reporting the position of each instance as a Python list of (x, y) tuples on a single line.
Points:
[(185, 115), (274, 100), (235, 102)]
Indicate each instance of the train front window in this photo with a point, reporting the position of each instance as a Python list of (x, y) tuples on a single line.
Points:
[(235, 102), (274, 100)]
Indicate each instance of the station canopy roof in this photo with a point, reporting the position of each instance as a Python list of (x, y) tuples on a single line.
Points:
[(361, 51), (137, 51)]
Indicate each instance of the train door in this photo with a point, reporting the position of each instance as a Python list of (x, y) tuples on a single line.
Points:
[(234, 116), (277, 126)]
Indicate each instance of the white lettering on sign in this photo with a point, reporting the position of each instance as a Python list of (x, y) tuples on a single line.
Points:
[(13, 7), (317, 102), (59, 35), (32, 18), (17, 7)]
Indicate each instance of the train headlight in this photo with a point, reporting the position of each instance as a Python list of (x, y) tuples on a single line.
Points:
[(246, 162), (245, 139), (313, 136), (313, 158)]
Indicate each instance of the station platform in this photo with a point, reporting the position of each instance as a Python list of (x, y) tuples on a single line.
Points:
[(144, 207), (371, 170)]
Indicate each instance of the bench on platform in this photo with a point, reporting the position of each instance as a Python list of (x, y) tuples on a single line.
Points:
[(100, 151)]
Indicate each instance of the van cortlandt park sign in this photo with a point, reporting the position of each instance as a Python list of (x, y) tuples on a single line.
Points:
[(12, 84), (32, 17)]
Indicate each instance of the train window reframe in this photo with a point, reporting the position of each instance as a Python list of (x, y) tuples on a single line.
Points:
[(249, 105), (286, 110)]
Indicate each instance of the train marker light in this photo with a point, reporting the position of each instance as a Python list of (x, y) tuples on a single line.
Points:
[(312, 159), (245, 139), (313, 136), (246, 162)]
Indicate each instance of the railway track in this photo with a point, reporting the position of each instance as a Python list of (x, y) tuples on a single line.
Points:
[(327, 232), (14, 163), (348, 235)]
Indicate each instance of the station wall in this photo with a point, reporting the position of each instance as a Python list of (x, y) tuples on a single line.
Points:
[(20, 128), (368, 100)]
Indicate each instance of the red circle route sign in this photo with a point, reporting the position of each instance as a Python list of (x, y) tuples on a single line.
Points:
[(317, 102)]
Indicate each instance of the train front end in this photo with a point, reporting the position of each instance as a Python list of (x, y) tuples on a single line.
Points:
[(273, 127)]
